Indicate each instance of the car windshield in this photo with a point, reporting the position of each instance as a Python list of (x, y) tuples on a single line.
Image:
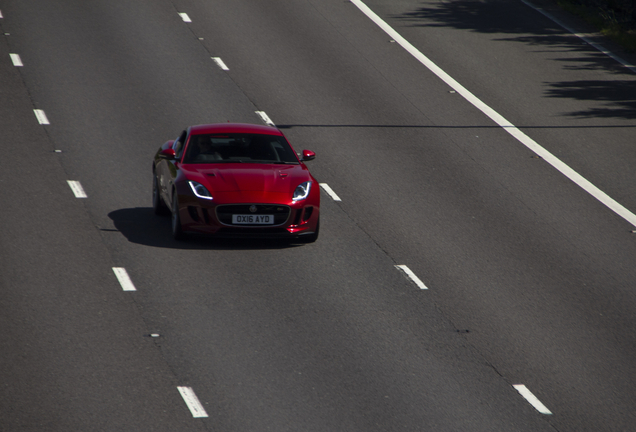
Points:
[(239, 148)]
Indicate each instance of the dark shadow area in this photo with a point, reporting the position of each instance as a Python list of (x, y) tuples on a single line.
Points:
[(589, 62), (505, 18), (141, 225), (516, 22), (619, 96), (481, 16)]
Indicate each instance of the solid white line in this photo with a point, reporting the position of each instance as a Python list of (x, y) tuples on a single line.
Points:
[(185, 17), (41, 116), (532, 399), (412, 275), (77, 189), (583, 37), (192, 401), (330, 191), (219, 62), (500, 120), (124, 279), (15, 58), (265, 118)]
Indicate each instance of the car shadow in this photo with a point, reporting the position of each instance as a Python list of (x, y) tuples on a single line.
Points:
[(142, 226)]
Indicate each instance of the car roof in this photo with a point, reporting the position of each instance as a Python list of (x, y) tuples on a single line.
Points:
[(234, 128)]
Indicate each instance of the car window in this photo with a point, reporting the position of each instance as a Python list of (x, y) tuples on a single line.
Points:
[(239, 148)]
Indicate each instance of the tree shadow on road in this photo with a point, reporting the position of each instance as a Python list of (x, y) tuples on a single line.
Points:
[(517, 22), (620, 98)]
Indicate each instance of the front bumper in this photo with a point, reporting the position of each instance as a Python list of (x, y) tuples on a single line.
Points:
[(290, 220)]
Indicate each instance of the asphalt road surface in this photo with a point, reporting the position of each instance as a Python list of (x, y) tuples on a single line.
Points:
[(527, 322)]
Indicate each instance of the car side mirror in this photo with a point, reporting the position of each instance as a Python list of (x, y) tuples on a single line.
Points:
[(167, 154), (308, 155)]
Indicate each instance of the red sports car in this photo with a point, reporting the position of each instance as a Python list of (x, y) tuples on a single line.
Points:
[(235, 180)]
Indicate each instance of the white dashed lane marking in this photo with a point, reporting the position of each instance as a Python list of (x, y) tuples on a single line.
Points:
[(330, 191), (77, 189), (265, 118), (412, 276), (185, 17), (532, 399), (124, 279), (41, 116), (220, 63), (17, 61), (192, 401)]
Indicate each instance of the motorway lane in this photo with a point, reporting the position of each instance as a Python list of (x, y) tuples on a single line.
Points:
[(328, 336), (72, 349), (569, 97), (353, 407), (84, 159), (75, 348), (518, 252), (219, 299), (577, 282)]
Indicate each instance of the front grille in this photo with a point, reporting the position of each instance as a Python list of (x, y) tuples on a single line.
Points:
[(281, 212)]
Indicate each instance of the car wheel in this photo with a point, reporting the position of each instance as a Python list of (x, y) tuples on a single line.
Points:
[(158, 206), (177, 233), (310, 238)]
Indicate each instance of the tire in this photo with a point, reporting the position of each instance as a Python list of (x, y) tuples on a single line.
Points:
[(158, 206), (310, 238), (177, 232)]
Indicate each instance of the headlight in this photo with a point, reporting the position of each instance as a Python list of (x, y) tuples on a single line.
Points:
[(199, 190), (302, 191)]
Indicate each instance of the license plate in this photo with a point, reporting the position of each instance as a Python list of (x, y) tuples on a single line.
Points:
[(253, 219)]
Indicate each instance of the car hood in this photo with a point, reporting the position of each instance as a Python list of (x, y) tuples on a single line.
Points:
[(242, 177)]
